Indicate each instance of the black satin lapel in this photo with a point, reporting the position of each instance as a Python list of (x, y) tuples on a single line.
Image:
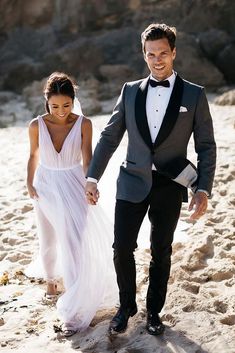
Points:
[(172, 111), (140, 113)]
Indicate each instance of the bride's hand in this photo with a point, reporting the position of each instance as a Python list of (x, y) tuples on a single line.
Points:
[(32, 192), (92, 193)]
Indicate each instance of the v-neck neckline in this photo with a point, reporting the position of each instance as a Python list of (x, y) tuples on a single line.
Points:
[(62, 146)]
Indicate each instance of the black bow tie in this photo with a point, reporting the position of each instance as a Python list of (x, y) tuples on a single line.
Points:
[(154, 83)]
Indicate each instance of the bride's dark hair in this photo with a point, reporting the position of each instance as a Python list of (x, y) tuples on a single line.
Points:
[(59, 83)]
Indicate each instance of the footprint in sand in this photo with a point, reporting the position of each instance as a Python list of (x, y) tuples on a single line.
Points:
[(10, 241), (170, 318), (30, 237), (25, 261), (221, 275), (226, 232), (214, 203), (15, 257), (220, 306), (8, 216), (26, 252), (6, 203), (26, 208), (3, 255), (226, 254), (223, 192), (217, 219), (190, 287), (225, 166), (19, 218), (228, 320), (232, 202), (4, 229), (188, 308)]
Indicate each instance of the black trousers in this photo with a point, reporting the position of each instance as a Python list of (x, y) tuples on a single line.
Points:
[(163, 205)]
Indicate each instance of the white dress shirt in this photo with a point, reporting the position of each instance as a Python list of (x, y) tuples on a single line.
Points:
[(156, 103)]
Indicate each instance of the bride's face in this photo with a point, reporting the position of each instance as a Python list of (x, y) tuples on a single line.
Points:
[(60, 106)]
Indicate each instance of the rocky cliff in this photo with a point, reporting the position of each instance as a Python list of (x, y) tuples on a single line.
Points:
[(98, 41)]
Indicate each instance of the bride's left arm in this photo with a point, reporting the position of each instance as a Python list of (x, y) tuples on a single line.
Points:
[(86, 143)]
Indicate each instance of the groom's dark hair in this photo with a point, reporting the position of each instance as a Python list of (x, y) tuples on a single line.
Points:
[(59, 83), (158, 31)]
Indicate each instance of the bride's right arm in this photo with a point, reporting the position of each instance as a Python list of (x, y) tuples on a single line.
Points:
[(33, 157)]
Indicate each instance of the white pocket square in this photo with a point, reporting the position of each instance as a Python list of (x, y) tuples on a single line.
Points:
[(183, 109)]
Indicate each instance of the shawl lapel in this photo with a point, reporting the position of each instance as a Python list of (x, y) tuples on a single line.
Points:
[(140, 113)]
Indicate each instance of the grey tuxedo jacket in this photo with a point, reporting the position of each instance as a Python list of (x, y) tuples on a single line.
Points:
[(135, 177)]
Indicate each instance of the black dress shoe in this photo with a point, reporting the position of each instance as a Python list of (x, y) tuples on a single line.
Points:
[(154, 325), (119, 322)]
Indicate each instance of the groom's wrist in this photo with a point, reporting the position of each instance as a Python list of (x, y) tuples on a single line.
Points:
[(92, 180), (204, 192)]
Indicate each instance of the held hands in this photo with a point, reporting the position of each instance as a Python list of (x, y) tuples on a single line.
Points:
[(32, 192), (200, 201), (92, 193)]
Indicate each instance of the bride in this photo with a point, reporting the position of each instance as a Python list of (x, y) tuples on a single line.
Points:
[(74, 240)]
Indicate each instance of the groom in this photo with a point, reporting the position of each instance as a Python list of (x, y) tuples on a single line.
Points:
[(159, 114)]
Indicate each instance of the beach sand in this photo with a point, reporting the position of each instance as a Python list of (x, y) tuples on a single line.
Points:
[(199, 312)]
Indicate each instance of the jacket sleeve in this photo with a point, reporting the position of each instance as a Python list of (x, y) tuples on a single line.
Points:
[(110, 139), (205, 146)]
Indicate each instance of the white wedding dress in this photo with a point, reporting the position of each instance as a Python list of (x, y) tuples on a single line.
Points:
[(75, 239)]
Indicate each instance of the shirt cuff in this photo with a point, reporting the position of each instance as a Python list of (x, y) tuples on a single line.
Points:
[(92, 180), (204, 191)]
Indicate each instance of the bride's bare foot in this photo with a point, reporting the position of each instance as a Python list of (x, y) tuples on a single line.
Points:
[(51, 289), (68, 331)]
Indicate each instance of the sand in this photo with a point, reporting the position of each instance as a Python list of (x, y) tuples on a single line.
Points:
[(199, 312)]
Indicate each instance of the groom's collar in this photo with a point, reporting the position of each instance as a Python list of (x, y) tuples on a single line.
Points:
[(171, 78)]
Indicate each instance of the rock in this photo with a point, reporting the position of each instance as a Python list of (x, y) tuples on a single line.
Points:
[(6, 96), (115, 72), (33, 95), (114, 76), (108, 105), (200, 16), (14, 112), (21, 74), (88, 97), (32, 13), (213, 41), (227, 98), (76, 58), (204, 72), (224, 60)]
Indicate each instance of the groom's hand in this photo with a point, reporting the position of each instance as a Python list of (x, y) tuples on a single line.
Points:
[(92, 193), (199, 202)]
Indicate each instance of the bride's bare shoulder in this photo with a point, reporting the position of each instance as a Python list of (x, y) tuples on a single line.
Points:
[(33, 124), (86, 121)]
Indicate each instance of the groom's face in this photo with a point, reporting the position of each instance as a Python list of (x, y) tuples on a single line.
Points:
[(159, 57)]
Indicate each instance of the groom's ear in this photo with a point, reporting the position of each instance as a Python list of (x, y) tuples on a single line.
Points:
[(145, 58)]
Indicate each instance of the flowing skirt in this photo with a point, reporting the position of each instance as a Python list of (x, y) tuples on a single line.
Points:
[(75, 243)]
